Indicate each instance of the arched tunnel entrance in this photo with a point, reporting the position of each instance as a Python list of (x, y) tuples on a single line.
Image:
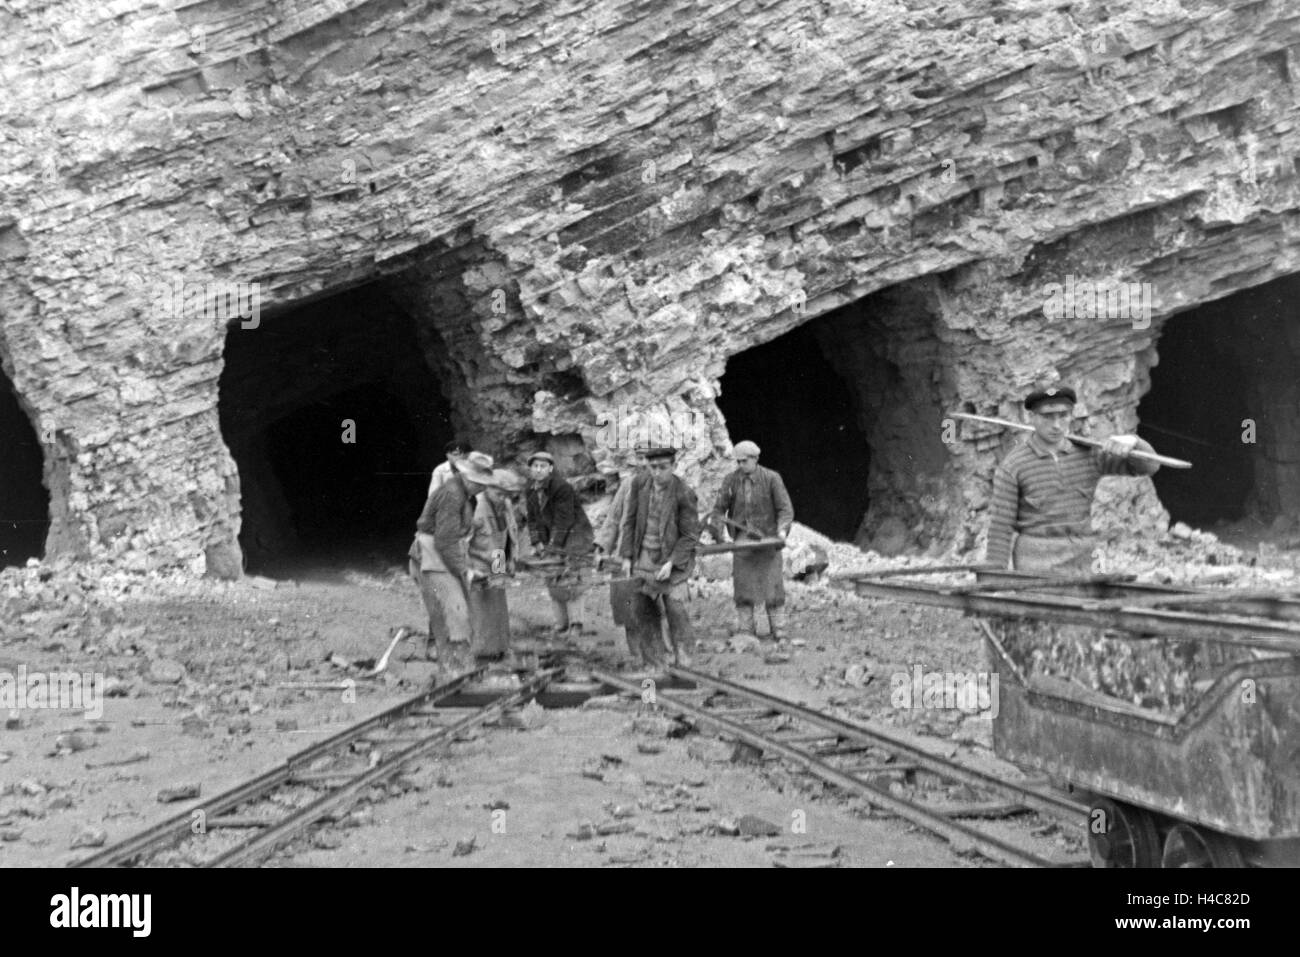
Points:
[(1225, 395), (335, 421), (845, 407), (785, 397), (24, 500)]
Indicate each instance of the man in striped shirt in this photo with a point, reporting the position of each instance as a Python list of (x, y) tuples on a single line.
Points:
[(1043, 490)]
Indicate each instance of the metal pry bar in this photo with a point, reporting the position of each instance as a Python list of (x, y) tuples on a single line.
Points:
[(1076, 439)]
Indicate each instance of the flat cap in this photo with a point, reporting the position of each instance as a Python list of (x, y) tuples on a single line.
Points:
[(544, 456), (745, 449), (1058, 393), (662, 452)]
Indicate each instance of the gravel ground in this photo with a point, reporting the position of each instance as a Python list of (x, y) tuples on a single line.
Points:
[(199, 678)]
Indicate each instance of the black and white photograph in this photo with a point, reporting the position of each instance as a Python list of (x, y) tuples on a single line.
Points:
[(650, 434)]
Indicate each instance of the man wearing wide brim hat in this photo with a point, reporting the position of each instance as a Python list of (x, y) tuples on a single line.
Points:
[(559, 528), (661, 529), (1043, 490), (493, 548), (754, 498), (440, 559)]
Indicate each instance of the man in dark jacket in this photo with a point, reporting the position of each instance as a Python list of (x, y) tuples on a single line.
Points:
[(559, 528), (661, 529), (440, 559), (756, 498)]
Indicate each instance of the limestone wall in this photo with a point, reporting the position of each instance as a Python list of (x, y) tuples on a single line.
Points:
[(599, 203)]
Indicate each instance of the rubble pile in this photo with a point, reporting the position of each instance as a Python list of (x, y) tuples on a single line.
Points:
[(62, 602), (1165, 675), (1188, 556)]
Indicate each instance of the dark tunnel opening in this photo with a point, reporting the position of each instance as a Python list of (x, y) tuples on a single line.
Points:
[(342, 464), (335, 421), (1224, 395), (24, 500), (785, 396)]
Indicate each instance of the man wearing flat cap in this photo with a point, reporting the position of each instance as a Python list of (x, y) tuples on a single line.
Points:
[(440, 559), (559, 528), (661, 529), (755, 500), (1043, 490)]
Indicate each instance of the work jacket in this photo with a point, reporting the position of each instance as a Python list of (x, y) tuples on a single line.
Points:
[(680, 532), (765, 506), (494, 542), (557, 519), (443, 529), (610, 536)]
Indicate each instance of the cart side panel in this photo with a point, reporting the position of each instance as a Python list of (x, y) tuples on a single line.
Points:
[(1229, 763)]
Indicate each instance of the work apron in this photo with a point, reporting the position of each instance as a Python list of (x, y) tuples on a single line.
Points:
[(757, 577)]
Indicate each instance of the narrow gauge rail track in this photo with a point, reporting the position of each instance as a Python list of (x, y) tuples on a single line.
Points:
[(333, 769), (863, 761)]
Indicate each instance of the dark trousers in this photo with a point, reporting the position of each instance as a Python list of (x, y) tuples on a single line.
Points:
[(646, 629)]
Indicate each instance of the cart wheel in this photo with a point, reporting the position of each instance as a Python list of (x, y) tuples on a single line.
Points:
[(1188, 846), (1120, 835)]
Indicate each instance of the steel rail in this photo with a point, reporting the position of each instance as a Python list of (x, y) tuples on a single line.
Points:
[(169, 831), (990, 846), (1277, 635), (266, 841), (1035, 798)]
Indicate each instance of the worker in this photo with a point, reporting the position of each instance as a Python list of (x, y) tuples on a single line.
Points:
[(440, 560), (609, 537), (559, 528), (1044, 489), (609, 540), (455, 451), (493, 549), (754, 498), (661, 529)]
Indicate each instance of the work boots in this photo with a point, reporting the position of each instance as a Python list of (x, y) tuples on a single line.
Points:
[(776, 621), (745, 624)]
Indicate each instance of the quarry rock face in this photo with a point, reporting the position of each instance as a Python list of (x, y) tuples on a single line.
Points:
[(586, 209)]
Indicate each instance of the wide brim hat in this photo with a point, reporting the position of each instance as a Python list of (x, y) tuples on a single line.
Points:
[(508, 480), (1055, 394), (475, 472)]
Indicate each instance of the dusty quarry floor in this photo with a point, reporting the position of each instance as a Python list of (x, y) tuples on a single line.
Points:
[(196, 674)]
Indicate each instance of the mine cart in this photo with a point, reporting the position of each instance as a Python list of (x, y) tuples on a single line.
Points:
[(1175, 712)]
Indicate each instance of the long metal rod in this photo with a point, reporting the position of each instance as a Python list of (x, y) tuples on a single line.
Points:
[(987, 844), (1232, 630), (179, 826), (1076, 439), (266, 841), (1039, 800)]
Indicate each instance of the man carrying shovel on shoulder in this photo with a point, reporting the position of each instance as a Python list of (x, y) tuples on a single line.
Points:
[(1043, 490)]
